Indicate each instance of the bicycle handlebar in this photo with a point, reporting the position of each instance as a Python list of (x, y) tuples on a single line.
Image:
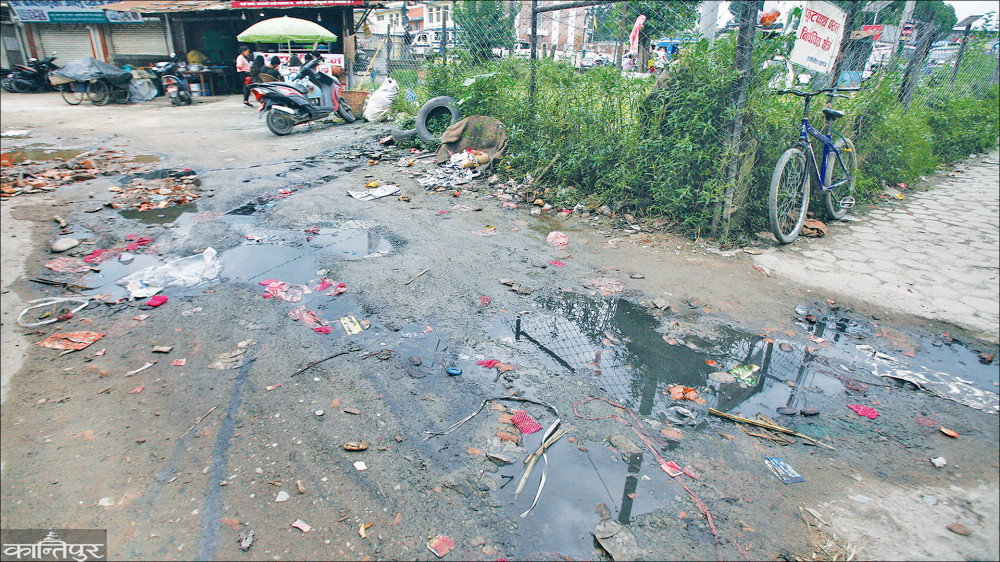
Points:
[(829, 91)]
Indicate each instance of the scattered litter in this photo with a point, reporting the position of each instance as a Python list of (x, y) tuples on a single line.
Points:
[(524, 423), (784, 346), (557, 239), (50, 301), (949, 432), (181, 272), (272, 387), (606, 285), (947, 386), (319, 413), (143, 368), (308, 317), (489, 363), (363, 528), (618, 540), (155, 301), (557, 263), (352, 411), (680, 415), (245, 539), (440, 545), (161, 349), (355, 446), (70, 340), (863, 411), (301, 525), (137, 389), (360, 465), (376, 192), (179, 362), (140, 290), (283, 291), (939, 462), (281, 497), (68, 265), (783, 470), (351, 325), (231, 359)]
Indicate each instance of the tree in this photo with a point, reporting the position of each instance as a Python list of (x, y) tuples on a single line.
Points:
[(663, 20), (935, 12), (487, 24)]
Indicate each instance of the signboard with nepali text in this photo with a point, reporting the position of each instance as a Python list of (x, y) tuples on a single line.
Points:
[(69, 11), (818, 40)]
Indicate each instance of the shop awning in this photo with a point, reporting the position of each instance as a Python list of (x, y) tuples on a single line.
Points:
[(152, 7)]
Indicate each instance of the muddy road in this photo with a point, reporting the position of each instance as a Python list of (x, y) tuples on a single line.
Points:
[(304, 324)]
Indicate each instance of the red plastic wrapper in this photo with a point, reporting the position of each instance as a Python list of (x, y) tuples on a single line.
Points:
[(156, 300), (70, 340)]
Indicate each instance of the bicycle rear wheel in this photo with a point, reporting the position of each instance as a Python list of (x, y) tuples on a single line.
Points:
[(72, 93), (97, 92), (839, 200), (119, 95), (788, 198)]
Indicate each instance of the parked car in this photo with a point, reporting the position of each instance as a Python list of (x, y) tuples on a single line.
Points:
[(594, 60), (521, 49)]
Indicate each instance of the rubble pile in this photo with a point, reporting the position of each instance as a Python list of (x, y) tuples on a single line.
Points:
[(143, 194), (33, 176)]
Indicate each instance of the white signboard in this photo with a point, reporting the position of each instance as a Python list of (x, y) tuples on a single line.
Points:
[(70, 11), (818, 39)]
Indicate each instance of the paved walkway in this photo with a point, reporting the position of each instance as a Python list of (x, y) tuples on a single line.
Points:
[(935, 255)]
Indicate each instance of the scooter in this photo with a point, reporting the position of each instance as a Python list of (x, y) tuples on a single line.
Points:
[(173, 83), (33, 77), (285, 104)]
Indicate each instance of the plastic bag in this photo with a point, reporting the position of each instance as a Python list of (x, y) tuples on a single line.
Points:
[(379, 102), (141, 90), (178, 273)]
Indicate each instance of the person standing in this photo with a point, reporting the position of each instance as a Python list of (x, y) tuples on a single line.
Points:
[(243, 73)]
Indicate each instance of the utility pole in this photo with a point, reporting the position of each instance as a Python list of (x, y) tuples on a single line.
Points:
[(907, 14), (709, 19)]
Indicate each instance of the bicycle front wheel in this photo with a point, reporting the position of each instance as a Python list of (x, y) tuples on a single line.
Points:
[(839, 200), (97, 92), (71, 93), (788, 199)]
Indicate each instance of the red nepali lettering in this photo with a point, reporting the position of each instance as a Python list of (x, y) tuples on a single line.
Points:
[(834, 25), (827, 44), (810, 37)]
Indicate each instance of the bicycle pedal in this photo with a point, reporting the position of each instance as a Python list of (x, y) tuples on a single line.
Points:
[(847, 202)]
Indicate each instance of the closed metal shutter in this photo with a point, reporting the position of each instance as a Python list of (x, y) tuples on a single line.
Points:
[(69, 41), (139, 39)]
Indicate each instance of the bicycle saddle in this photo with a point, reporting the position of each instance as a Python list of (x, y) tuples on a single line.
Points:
[(832, 114)]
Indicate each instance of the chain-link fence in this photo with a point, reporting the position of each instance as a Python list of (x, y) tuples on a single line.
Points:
[(668, 108)]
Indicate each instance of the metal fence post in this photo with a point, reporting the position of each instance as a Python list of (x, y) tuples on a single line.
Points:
[(534, 55), (961, 51), (743, 64), (915, 64)]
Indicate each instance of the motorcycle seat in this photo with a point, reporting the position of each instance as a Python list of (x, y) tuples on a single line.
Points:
[(299, 87)]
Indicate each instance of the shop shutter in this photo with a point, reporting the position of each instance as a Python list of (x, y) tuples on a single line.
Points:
[(139, 39), (69, 41)]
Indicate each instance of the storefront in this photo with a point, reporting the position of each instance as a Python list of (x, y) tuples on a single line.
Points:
[(68, 30)]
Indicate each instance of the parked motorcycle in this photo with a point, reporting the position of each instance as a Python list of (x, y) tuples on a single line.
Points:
[(173, 83), (285, 105), (32, 77)]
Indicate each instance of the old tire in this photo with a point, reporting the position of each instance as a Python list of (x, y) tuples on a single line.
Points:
[(344, 111), (435, 104), (279, 123)]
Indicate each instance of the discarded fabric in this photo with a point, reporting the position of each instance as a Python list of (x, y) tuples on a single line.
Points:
[(70, 340), (375, 193), (489, 364), (68, 265), (156, 301), (524, 423)]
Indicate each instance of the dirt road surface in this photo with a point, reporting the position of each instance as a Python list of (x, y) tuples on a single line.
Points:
[(246, 421)]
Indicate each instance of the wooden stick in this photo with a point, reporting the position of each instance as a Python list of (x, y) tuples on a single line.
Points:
[(199, 421), (766, 425), (338, 354), (414, 278), (539, 176)]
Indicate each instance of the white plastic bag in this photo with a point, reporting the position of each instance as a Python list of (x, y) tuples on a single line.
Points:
[(178, 273), (379, 102)]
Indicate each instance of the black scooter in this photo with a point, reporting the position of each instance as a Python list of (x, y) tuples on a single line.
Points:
[(173, 83), (285, 104), (32, 77)]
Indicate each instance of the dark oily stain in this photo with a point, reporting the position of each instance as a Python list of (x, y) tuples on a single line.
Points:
[(21, 155)]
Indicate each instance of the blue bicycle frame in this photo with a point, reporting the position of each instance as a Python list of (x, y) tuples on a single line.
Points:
[(820, 172)]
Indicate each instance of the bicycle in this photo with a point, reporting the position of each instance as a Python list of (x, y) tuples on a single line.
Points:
[(101, 91), (73, 92), (788, 198)]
